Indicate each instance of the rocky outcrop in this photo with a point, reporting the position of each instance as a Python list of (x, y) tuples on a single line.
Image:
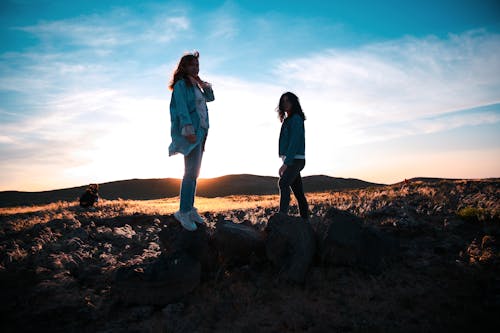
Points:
[(163, 281), (347, 241), (290, 246), (236, 243)]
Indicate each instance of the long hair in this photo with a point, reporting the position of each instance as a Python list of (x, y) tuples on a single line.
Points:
[(296, 108), (180, 71)]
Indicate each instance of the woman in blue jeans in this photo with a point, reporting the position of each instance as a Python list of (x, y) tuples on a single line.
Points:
[(292, 152), (189, 129)]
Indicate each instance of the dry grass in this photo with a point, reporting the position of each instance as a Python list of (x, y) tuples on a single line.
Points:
[(455, 196), (20, 218), (111, 208), (59, 205)]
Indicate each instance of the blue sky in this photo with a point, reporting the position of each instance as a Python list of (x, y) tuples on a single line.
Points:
[(391, 89)]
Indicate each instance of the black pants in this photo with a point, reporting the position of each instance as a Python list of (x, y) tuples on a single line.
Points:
[(291, 179)]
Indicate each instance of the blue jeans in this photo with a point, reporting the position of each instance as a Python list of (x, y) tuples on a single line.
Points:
[(192, 165), (291, 179)]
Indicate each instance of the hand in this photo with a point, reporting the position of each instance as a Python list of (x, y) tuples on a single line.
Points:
[(205, 85), (191, 138), (282, 170)]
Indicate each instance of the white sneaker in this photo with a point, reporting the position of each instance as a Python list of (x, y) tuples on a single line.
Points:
[(193, 214), (185, 220)]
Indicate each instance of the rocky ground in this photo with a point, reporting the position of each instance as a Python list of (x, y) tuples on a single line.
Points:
[(65, 269)]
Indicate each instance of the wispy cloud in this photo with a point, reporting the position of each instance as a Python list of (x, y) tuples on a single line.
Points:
[(118, 28), (165, 29), (427, 125), (399, 80), (223, 23)]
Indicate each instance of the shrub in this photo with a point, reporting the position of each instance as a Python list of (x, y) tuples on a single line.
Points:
[(473, 214)]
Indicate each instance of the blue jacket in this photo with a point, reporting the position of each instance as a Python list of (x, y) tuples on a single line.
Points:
[(183, 112), (292, 138)]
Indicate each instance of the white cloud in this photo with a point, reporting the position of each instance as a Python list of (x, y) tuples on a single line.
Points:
[(165, 29), (223, 23), (116, 29), (90, 31), (6, 139), (424, 126), (399, 80), (41, 73)]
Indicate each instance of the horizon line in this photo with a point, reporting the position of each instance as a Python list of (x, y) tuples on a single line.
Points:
[(255, 175)]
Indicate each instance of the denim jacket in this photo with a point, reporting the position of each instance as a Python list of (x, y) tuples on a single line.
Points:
[(292, 138), (183, 112)]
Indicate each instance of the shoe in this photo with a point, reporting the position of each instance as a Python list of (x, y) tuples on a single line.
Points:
[(196, 217), (185, 220)]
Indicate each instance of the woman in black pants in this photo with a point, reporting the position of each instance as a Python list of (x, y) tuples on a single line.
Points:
[(292, 152)]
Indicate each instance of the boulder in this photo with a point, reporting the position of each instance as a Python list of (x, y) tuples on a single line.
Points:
[(290, 246), (341, 243), (174, 238), (237, 242), (348, 242), (163, 281), (377, 249)]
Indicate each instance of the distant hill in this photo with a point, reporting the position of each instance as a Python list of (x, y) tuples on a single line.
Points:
[(146, 189)]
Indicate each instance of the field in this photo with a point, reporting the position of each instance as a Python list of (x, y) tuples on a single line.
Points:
[(57, 266)]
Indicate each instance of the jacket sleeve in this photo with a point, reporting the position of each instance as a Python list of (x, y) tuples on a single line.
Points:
[(296, 131), (209, 94), (181, 106)]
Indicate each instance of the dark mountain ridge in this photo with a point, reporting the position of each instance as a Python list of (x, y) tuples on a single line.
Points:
[(147, 189)]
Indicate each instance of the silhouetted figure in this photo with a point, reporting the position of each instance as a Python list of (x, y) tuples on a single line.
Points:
[(189, 129), (292, 152), (90, 196)]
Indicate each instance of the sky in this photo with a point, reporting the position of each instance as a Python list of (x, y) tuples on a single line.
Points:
[(391, 89)]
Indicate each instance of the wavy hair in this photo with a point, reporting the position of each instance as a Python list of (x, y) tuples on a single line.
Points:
[(180, 72), (296, 108)]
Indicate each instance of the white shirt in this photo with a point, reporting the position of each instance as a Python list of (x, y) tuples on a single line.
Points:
[(201, 106)]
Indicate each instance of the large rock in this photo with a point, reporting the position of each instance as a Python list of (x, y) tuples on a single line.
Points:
[(377, 249), (341, 242), (174, 239), (167, 279), (290, 245), (236, 242), (348, 242)]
